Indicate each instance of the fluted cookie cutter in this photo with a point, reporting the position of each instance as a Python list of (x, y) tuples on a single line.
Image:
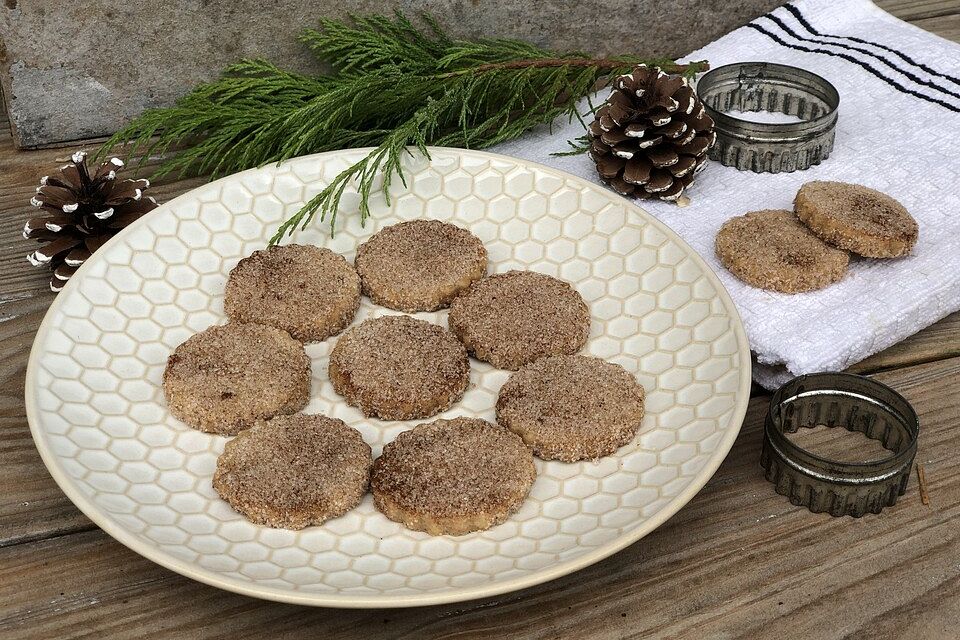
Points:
[(769, 146), (850, 402)]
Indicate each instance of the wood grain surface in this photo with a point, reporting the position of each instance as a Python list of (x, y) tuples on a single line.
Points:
[(738, 561)]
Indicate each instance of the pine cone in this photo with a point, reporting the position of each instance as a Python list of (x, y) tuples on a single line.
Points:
[(651, 136), (80, 212)]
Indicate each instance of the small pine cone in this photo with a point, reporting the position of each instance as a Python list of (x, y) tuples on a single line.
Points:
[(80, 212), (651, 136)]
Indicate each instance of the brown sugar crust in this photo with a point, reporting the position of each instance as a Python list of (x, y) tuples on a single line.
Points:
[(399, 368), (222, 380), (511, 319), (572, 408), (310, 292), (858, 219), (451, 477), (294, 471), (421, 265), (772, 250)]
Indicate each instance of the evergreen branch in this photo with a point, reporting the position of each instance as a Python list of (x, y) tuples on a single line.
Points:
[(386, 159), (578, 146), (393, 86)]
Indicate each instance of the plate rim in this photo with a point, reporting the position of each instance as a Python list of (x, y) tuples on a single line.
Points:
[(361, 601)]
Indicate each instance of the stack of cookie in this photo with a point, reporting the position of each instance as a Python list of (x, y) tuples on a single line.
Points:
[(451, 476), (807, 249)]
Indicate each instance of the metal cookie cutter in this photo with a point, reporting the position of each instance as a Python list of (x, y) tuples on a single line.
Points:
[(854, 403), (763, 86)]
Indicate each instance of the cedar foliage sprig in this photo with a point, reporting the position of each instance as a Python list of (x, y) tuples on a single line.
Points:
[(392, 86)]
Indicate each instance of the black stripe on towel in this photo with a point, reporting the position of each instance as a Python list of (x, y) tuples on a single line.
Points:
[(912, 76), (806, 25), (915, 78), (893, 83)]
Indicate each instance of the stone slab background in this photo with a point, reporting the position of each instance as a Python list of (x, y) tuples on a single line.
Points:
[(83, 68)]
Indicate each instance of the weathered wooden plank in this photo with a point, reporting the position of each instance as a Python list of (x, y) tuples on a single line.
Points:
[(31, 504), (738, 561), (946, 26), (912, 10), (938, 341)]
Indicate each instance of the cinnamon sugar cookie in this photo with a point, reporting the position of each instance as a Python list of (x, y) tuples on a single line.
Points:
[(399, 368), (572, 408), (419, 265), (511, 319), (858, 219), (310, 292), (294, 471), (452, 476), (227, 377), (771, 249)]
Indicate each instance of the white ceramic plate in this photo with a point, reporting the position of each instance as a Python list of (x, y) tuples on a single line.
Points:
[(98, 416)]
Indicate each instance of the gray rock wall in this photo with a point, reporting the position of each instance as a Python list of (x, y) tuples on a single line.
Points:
[(73, 69)]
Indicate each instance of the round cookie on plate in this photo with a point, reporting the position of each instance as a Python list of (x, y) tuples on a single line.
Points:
[(225, 378), (451, 477), (310, 292), (572, 408), (511, 319), (294, 471), (858, 219), (399, 368), (419, 265), (772, 250)]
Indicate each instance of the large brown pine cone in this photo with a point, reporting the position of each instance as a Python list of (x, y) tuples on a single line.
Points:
[(79, 212), (651, 136)]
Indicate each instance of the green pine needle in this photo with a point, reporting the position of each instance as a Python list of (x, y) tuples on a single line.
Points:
[(577, 146), (392, 86)]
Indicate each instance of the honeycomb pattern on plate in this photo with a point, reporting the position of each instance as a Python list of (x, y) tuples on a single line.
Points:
[(98, 414)]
